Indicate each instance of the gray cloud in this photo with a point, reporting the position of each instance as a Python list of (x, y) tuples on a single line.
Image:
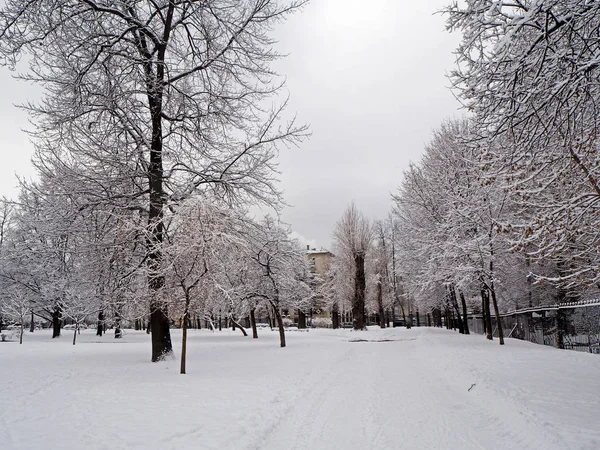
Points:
[(370, 78)]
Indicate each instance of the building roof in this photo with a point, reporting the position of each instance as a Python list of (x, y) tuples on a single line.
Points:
[(322, 251)]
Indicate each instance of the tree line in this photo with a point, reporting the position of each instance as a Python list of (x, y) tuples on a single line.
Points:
[(501, 211), (149, 110)]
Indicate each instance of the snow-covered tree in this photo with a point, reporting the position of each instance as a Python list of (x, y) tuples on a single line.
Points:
[(353, 235), (528, 71), (147, 103)]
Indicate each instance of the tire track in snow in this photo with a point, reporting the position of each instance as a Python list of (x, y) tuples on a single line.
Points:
[(345, 409)]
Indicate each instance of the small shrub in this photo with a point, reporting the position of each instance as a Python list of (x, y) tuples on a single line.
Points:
[(321, 322)]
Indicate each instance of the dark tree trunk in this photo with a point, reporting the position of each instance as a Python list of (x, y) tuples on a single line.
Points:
[(100, 324), (56, 316), (497, 314), (380, 305), (454, 300), (404, 316), (464, 308), (32, 323), (358, 302), (335, 316), (493, 293), (184, 332), (253, 324), (418, 319), (279, 324), (483, 319), (235, 325), (118, 332), (488, 317), (428, 320), (301, 320), (159, 316)]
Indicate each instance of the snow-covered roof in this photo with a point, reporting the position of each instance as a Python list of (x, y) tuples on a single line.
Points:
[(314, 251)]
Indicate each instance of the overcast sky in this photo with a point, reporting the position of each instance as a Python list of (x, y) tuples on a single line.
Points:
[(370, 79)]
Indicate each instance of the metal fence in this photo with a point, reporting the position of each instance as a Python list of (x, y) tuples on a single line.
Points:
[(572, 326)]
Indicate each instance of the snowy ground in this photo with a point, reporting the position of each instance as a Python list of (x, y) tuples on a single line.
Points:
[(322, 392)]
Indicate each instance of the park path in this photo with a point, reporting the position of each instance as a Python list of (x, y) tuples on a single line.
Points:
[(401, 389)]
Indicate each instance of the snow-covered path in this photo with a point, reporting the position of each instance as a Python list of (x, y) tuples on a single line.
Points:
[(399, 389), (398, 394)]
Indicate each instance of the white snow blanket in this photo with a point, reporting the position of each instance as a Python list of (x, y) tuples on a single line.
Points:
[(329, 389)]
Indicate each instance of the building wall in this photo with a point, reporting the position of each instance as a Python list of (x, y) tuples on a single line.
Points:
[(321, 260)]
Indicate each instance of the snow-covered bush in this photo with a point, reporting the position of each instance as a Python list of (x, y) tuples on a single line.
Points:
[(321, 322)]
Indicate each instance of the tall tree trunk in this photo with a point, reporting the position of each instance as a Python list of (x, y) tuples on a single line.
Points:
[(493, 292), (253, 324), (186, 313), (301, 320), (454, 300), (358, 303), (279, 319), (464, 308), (380, 305), (483, 319), (271, 318), (118, 331), (75, 332), (22, 330), (488, 317), (32, 323), (418, 319), (159, 316), (335, 316), (100, 324), (184, 332), (497, 314), (56, 316)]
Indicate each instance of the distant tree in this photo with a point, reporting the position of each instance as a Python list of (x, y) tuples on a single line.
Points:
[(280, 266), (353, 235), (379, 264)]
